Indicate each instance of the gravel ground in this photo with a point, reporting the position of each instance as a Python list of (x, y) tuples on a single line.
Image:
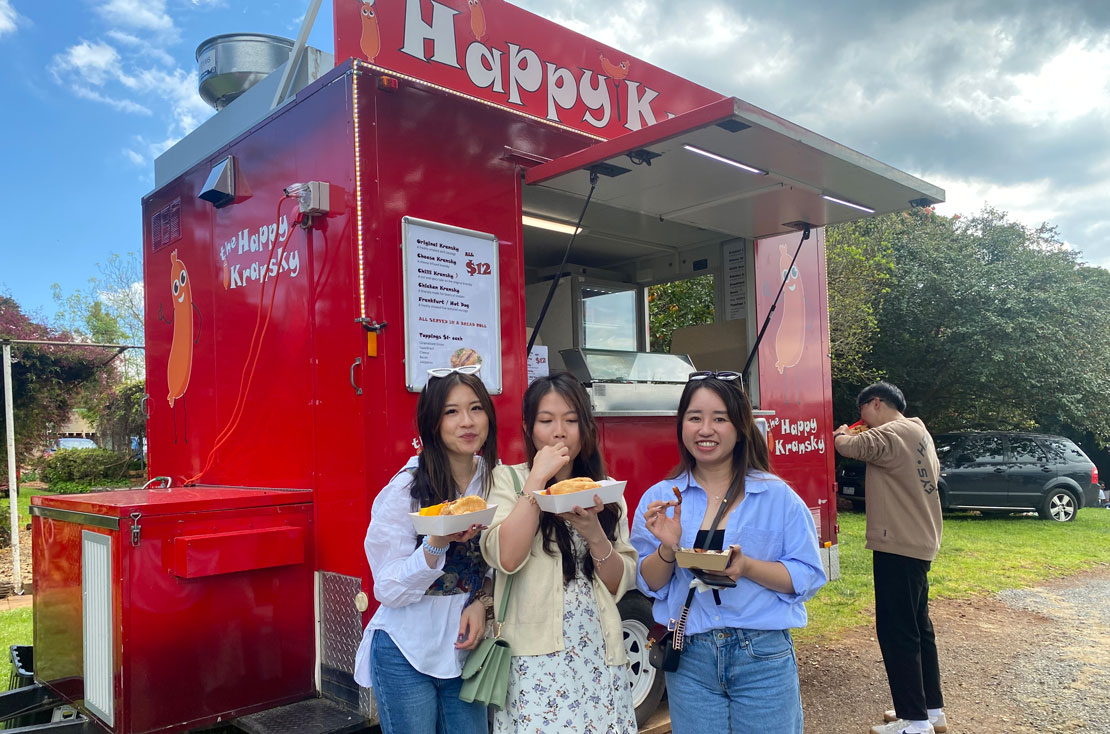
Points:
[(1023, 661)]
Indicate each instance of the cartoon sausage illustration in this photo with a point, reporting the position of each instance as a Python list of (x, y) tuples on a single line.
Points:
[(615, 72), (477, 19), (181, 348), (791, 335), (371, 41)]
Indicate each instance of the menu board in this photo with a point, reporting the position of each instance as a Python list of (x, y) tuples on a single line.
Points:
[(734, 255), (452, 301)]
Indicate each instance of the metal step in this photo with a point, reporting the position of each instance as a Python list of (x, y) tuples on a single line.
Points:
[(312, 716)]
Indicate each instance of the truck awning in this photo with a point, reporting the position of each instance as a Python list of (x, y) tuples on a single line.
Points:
[(733, 168)]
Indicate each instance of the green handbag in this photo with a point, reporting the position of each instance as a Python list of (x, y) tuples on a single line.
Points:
[(485, 674)]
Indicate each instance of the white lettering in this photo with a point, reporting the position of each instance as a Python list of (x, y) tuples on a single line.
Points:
[(483, 66), (441, 33), (283, 229), (244, 242), (639, 107), (561, 90), (527, 75), (595, 98)]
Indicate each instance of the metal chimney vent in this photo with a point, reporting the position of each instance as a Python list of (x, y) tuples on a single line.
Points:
[(232, 63)]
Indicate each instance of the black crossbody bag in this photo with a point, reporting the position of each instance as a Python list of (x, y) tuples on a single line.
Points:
[(665, 644)]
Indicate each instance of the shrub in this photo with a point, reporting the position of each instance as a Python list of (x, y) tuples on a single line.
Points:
[(90, 485), (83, 467)]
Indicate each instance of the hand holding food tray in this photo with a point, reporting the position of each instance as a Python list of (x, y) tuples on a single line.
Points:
[(449, 518), (582, 495)]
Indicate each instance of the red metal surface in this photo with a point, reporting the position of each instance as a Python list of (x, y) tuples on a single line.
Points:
[(500, 53), (642, 451), (187, 651), (213, 554), (795, 375), (121, 503), (711, 113)]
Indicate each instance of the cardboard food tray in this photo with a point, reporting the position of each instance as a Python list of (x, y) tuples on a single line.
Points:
[(609, 491), (709, 561), (449, 524)]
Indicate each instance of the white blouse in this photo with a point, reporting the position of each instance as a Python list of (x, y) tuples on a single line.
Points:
[(424, 628)]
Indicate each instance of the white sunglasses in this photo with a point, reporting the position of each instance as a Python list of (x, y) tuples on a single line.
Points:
[(466, 369)]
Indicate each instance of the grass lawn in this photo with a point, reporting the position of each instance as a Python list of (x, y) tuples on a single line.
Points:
[(24, 503), (978, 555)]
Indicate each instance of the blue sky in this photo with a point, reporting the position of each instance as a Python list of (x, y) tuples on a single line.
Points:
[(1000, 102)]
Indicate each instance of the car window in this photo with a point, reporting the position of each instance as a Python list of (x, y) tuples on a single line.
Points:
[(1025, 450), (1062, 450), (944, 444), (984, 448)]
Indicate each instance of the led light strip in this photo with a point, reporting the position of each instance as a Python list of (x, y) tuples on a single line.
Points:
[(358, 196), (842, 202), (486, 102), (725, 159)]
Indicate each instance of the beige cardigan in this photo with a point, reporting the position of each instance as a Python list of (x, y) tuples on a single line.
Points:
[(534, 617)]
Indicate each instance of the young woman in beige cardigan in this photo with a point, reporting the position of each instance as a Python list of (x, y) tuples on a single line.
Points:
[(569, 667)]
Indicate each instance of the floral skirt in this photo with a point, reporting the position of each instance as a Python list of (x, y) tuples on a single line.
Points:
[(571, 690)]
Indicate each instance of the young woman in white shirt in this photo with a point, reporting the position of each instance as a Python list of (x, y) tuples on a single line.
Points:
[(432, 590), (569, 666)]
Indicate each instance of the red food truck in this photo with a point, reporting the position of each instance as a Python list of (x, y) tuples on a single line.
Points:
[(346, 222)]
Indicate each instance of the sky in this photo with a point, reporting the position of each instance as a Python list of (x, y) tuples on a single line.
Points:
[(1003, 103)]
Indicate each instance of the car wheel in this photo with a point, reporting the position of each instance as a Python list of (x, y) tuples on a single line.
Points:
[(1059, 505), (646, 682)]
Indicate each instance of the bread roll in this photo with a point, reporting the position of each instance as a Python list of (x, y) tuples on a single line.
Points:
[(464, 505), (575, 484)]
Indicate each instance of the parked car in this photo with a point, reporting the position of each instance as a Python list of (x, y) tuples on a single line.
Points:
[(1003, 472), (61, 444)]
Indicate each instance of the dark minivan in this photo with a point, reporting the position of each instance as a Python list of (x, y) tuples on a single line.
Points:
[(1004, 472)]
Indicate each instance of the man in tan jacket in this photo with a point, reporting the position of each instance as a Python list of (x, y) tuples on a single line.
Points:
[(903, 531)]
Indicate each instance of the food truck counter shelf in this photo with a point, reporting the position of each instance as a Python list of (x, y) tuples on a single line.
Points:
[(167, 501), (624, 383)]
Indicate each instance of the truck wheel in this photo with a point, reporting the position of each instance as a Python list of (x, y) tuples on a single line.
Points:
[(1059, 505), (647, 683)]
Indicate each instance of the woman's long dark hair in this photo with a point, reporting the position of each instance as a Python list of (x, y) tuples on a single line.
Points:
[(750, 451), (588, 463), (432, 482)]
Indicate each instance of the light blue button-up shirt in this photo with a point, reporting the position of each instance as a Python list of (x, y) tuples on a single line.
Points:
[(771, 523)]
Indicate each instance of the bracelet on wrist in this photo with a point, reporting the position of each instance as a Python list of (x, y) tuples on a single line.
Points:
[(659, 552), (607, 555), (432, 550)]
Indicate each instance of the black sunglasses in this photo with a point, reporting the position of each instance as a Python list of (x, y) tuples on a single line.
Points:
[(724, 375)]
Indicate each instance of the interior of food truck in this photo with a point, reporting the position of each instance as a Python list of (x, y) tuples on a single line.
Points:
[(685, 198)]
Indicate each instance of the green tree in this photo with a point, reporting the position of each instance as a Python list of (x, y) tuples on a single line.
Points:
[(45, 379), (987, 323), (676, 304)]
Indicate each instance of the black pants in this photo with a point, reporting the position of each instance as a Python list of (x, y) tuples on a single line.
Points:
[(905, 634)]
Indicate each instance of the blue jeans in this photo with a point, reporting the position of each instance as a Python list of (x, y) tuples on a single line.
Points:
[(410, 702), (737, 681)]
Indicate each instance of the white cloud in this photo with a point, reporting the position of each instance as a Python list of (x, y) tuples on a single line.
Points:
[(94, 62), (9, 20), (149, 15), (123, 105), (137, 158), (141, 46)]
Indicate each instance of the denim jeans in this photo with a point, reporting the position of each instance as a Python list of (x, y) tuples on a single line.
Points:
[(737, 681), (410, 702)]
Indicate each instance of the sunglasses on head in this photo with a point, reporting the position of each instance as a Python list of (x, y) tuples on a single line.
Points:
[(724, 375), (466, 369)]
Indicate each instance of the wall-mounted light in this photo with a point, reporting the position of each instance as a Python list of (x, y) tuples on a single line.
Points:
[(843, 202), (549, 224), (725, 159)]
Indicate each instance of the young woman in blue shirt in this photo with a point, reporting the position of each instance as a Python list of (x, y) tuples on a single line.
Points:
[(737, 672)]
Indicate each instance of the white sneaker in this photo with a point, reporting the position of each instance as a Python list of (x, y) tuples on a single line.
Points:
[(939, 726), (901, 726)]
